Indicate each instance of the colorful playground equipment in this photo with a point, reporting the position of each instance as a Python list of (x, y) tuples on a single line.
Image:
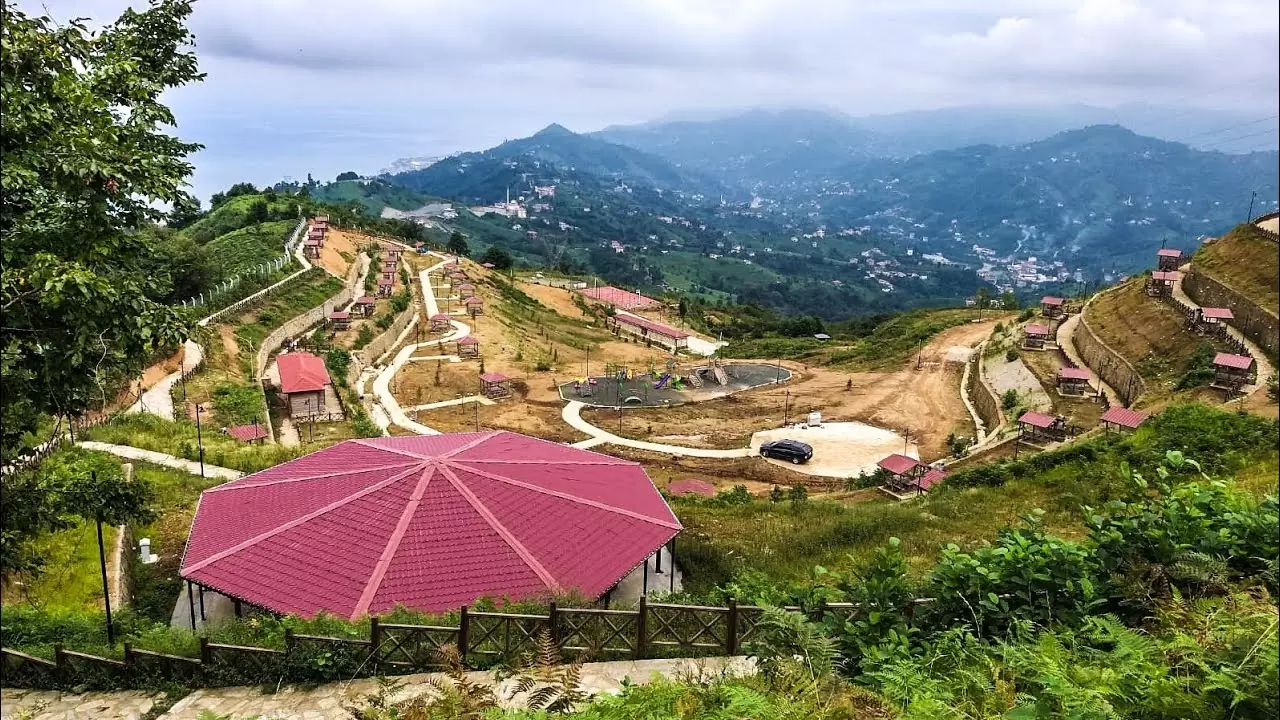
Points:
[(662, 381)]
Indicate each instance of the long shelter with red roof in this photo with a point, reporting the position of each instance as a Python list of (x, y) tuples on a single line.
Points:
[(649, 331), (1122, 418), (619, 298), (428, 522)]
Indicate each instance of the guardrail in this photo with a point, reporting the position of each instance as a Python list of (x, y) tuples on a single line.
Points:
[(481, 639)]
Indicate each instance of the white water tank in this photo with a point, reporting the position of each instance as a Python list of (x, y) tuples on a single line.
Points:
[(815, 419), (144, 548)]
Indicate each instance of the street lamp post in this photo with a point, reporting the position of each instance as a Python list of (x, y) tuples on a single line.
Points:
[(200, 438), (786, 409)]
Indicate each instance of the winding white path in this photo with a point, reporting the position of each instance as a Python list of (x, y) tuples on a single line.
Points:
[(159, 458), (572, 414), (1066, 338)]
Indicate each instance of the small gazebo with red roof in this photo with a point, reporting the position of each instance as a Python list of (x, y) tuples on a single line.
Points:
[(1232, 372), (1161, 282), (1168, 259), (1210, 321), (1034, 336), (365, 306), (475, 306), (906, 476), (1039, 427), (1050, 306), (1074, 381), (254, 433), (440, 323), (340, 320), (468, 347), (495, 386), (430, 522), (1122, 418)]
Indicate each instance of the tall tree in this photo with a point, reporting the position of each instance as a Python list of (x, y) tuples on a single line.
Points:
[(87, 164), (457, 244)]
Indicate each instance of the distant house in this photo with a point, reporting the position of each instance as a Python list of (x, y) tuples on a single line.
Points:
[(303, 379)]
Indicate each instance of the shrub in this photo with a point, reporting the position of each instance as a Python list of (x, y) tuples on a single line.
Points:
[(1009, 400), (1199, 367), (364, 337), (1011, 354), (237, 404), (1026, 315)]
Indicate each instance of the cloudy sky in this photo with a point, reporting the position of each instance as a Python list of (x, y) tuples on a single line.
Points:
[(330, 85)]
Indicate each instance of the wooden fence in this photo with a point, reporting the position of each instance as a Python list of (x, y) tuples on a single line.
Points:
[(481, 639), (1266, 233)]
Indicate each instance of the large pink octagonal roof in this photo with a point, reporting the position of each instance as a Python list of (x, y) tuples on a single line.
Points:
[(429, 522)]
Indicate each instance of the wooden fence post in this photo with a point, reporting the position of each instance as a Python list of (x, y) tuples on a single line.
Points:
[(59, 657), (128, 654), (553, 624), (206, 655), (463, 635), (288, 641), (731, 632), (375, 641), (642, 627)]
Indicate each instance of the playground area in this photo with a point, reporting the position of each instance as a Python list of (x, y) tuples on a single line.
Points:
[(657, 387)]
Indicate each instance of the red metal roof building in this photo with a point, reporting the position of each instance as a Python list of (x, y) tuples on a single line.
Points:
[(247, 433), (301, 372), (650, 331), (899, 464), (619, 298), (1238, 362), (1038, 420), (1217, 313), (429, 522), (1167, 258), (691, 486)]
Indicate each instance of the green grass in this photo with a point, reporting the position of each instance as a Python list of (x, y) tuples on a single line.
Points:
[(890, 344), (73, 579), (234, 214), (684, 271), (1246, 261), (783, 542), (242, 250), (253, 327), (374, 195), (178, 438)]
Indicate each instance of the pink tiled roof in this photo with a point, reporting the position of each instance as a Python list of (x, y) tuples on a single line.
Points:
[(619, 298), (899, 464), (301, 372), (1074, 373), (1050, 300), (311, 242), (1036, 419), (247, 433), (932, 477), (340, 315), (1239, 362), (440, 316), (691, 486), (494, 377), (468, 340), (366, 300), (651, 326), (430, 522), (466, 286), (1034, 329), (1218, 313), (1165, 276), (1124, 417), (1169, 252), (473, 300)]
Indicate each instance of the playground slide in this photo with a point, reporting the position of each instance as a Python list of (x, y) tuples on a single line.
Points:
[(662, 381)]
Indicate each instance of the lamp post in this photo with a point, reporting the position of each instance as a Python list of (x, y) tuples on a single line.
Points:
[(200, 438), (106, 591), (786, 409)]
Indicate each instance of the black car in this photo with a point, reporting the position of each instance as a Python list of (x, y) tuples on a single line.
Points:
[(793, 450)]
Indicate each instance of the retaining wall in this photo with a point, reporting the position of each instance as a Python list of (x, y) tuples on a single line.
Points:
[(1107, 363), (382, 343), (982, 396), (1254, 321), (295, 326)]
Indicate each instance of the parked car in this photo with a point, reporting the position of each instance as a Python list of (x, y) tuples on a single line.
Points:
[(793, 450)]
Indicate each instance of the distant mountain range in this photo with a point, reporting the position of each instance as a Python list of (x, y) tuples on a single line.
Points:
[(883, 212)]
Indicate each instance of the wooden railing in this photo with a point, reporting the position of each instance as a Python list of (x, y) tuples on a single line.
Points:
[(481, 639)]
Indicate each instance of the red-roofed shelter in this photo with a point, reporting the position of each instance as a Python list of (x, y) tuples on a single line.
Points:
[(1232, 372), (1121, 418), (1037, 426), (1074, 381), (649, 331), (1034, 336), (1168, 258), (905, 476), (303, 379), (495, 386), (431, 522), (248, 433), (619, 298), (1051, 307), (1161, 282)]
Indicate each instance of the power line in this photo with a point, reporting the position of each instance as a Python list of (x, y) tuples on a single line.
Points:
[(1229, 127), (1241, 137)]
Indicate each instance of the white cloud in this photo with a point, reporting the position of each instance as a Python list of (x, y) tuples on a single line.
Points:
[(328, 85)]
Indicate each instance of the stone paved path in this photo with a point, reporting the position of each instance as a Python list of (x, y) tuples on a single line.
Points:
[(158, 400), (1067, 341), (325, 702), (159, 458)]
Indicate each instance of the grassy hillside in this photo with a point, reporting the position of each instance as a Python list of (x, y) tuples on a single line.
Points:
[(1150, 335), (246, 248), (1245, 260), (234, 214), (889, 344), (373, 195)]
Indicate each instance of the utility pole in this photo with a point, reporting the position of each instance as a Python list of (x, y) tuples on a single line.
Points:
[(199, 438), (1252, 196), (106, 590), (786, 409)]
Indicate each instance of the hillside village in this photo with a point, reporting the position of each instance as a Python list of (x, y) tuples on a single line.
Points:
[(355, 449)]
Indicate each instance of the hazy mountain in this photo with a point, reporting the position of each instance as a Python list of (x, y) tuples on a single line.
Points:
[(773, 146), (542, 159)]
